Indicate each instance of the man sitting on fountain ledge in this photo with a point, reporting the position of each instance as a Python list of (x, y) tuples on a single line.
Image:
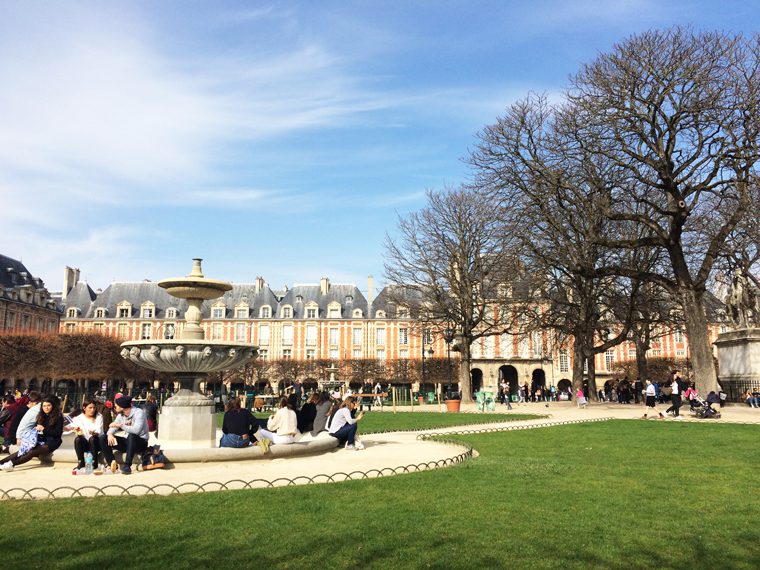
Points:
[(132, 427)]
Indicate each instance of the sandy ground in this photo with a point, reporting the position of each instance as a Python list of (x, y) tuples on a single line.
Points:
[(384, 454)]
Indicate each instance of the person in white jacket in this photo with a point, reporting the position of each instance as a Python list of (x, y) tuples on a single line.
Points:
[(343, 427), (282, 427), (87, 426)]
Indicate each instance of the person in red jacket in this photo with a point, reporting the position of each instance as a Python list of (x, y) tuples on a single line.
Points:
[(17, 408)]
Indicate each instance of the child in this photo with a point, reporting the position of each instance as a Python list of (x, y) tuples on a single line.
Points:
[(153, 458)]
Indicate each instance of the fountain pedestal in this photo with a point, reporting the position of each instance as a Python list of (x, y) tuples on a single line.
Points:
[(188, 419)]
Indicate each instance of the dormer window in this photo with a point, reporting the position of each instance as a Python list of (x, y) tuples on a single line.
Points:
[(380, 315), (299, 298), (402, 313), (357, 313), (311, 313), (218, 311), (124, 310), (171, 313), (265, 312), (287, 312), (147, 310), (333, 311), (100, 313), (241, 312), (349, 298), (71, 313)]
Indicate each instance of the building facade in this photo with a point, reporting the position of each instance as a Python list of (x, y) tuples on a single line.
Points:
[(335, 323), (26, 306)]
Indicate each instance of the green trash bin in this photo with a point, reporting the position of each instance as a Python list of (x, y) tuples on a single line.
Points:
[(489, 402), (480, 401), (431, 397)]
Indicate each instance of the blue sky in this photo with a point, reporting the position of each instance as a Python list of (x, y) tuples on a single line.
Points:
[(279, 139)]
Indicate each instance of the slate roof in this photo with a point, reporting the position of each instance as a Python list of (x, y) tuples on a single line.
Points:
[(13, 273), (348, 296)]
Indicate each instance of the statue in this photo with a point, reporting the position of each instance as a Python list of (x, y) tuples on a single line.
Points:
[(742, 302)]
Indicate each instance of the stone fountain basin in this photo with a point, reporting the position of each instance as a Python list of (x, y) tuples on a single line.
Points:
[(194, 287), (188, 356)]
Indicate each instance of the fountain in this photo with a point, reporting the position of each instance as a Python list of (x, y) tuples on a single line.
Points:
[(188, 419)]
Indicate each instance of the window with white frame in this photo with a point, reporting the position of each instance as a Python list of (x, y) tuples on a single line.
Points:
[(333, 338), (171, 313), (216, 331), (403, 336), (490, 346), (357, 353), (240, 332), (264, 334), (218, 312), (333, 311), (564, 361), (147, 311), (70, 327), (241, 313), (287, 334), (311, 335), (286, 312), (310, 354), (380, 314), (122, 330), (609, 358), (631, 353), (380, 337), (380, 354), (334, 354), (70, 313), (311, 312), (145, 331), (265, 312), (427, 336), (678, 335), (356, 336), (403, 353), (263, 353), (169, 331), (680, 352), (505, 345), (523, 345), (538, 345), (100, 313), (287, 353), (98, 328), (402, 313), (477, 351), (357, 313), (124, 310)]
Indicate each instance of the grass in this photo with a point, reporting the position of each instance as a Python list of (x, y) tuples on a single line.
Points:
[(375, 421), (618, 494)]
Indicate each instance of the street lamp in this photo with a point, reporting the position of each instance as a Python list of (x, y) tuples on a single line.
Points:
[(448, 336), (429, 353)]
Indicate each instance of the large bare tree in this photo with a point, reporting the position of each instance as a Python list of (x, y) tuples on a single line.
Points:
[(680, 112), (450, 256)]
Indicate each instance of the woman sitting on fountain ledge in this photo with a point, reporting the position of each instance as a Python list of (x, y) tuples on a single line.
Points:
[(45, 438), (282, 427), (238, 425)]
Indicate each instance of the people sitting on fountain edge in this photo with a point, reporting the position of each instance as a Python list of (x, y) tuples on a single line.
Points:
[(42, 439), (238, 425), (127, 433), (88, 426), (343, 427), (282, 427)]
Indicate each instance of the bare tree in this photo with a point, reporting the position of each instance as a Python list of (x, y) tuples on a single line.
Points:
[(450, 257), (680, 112)]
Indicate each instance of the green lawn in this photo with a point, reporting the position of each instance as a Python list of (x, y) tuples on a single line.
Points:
[(374, 422), (619, 494)]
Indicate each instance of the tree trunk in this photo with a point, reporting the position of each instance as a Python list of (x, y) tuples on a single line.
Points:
[(592, 391), (464, 371), (705, 377), (642, 365), (578, 360)]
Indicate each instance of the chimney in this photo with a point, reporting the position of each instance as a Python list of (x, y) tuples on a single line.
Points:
[(259, 285), (370, 287), (70, 278), (324, 285)]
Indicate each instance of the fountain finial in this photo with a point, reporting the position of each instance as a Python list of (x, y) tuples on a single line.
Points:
[(196, 272)]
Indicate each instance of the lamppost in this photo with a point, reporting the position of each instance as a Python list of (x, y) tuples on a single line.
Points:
[(448, 336), (429, 353)]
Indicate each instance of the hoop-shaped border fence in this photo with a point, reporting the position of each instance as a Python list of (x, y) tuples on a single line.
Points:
[(139, 490), (438, 435)]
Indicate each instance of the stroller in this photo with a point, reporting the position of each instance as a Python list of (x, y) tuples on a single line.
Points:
[(703, 409)]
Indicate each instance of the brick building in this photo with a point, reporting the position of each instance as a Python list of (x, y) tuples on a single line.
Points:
[(26, 306)]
